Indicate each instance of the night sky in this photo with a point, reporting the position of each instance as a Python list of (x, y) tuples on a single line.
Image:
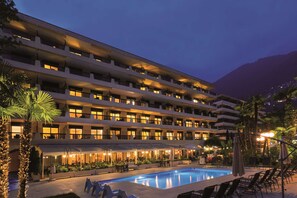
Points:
[(206, 39)]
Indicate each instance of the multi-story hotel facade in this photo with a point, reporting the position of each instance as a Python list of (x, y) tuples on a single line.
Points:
[(114, 104)]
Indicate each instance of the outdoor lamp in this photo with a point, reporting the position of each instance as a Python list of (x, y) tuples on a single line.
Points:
[(267, 134)]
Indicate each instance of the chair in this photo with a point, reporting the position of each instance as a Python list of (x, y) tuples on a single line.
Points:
[(230, 192), (123, 194), (270, 181), (108, 193), (88, 185), (97, 188), (222, 190), (249, 186), (261, 182), (186, 194), (206, 193)]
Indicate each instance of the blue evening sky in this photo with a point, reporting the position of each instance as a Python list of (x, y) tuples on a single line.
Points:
[(204, 38)]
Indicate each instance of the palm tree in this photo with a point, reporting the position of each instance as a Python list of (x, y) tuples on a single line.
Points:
[(37, 107), (11, 84)]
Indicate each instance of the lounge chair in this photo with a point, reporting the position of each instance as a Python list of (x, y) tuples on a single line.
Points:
[(261, 182), (88, 185), (108, 193), (220, 193), (97, 189), (186, 194), (123, 194), (206, 193), (232, 190), (248, 186)]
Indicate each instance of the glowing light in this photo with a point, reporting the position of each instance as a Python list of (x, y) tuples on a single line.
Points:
[(267, 134)]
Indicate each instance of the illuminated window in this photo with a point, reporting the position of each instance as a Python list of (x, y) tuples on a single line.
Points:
[(73, 91), (143, 88), (16, 130), (115, 132), (75, 112), (98, 113), (196, 124), (158, 135), (205, 136), (145, 119), (75, 132), (158, 120), (97, 133), (50, 132), (197, 136), (189, 123), (145, 134), (131, 117), (131, 101), (115, 115), (179, 122), (179, 135), (178, 96), (98, 95), (169, 135), (50, 67), (156, 91), (131, 133), (195, 100)]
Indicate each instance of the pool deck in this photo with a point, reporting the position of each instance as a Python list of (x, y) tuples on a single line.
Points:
[(76, 185)]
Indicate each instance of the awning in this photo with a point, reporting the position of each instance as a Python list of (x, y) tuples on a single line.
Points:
[(63, 149)]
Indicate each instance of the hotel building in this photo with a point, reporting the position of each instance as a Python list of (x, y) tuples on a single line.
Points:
[(114, 104), (227, 115)]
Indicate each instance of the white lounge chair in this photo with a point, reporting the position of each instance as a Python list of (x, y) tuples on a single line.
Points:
[(123, 194), (97, 188), (88, 185), (108, 193)]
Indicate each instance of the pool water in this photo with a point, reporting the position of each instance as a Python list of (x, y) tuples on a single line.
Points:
[(174, 178)]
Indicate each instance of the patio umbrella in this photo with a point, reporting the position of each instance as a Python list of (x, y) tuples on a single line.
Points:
[(284, 153), (237, 163)]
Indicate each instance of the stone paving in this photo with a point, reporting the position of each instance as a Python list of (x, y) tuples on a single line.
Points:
[(76, 185)]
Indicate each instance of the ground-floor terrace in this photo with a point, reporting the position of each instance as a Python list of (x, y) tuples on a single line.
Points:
[(49, 188)]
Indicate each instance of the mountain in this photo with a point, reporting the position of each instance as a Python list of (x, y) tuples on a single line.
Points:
[(258, 77)]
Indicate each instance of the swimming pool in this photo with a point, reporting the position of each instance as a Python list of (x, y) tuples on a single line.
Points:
[(174, 178)]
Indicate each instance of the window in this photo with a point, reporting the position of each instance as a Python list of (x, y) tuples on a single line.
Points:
[(180, 136), (73, 91), (189, 123), (75, 112), (156, 91), (115, 115), (115, 132), (145, 119), (158, 135), (98, 113), (145, 134), (50, 66), (131, 133), (178, 96), (179, 122), (98, 95), (143, 88), (50, 132), (169, 135), (131, 101), (75, 132), (116, 98), (197, 136), (16, 130), (195, 100), (205, 136), (97, 133), (131, 117), (196, 124), (158, 120)]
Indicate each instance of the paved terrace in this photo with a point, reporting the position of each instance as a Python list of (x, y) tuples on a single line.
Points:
[(76, 185)]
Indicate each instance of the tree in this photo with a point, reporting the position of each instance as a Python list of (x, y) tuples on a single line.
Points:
[(36, 107), (11, 85), (7, 14)]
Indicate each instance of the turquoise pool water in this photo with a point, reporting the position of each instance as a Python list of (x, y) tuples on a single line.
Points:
[(174, 178)]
